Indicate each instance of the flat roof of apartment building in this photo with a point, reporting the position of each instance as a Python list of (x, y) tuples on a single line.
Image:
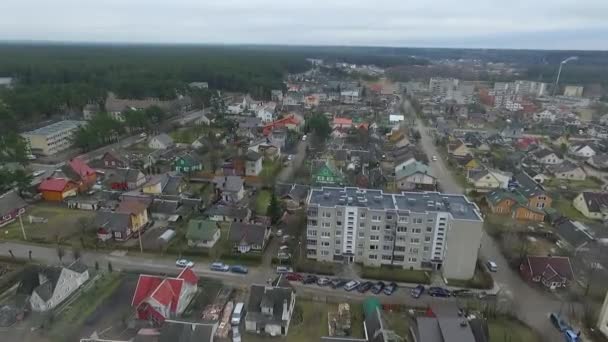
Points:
[(56, 127), (420, 202)]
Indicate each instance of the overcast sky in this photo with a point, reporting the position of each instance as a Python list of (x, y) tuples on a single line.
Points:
[(546, 24)]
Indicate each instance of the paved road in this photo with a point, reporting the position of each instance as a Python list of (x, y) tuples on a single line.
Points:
[(529, 304), (288, 172), (256, 275)]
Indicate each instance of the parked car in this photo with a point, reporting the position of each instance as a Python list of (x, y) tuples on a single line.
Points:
[(378, 287), (218, 266), (310, 279), (390, 289), (290, 157), (284, 248), (438, 292), (323, 281), (572, 336), (417, 291), (434, 158), (279, 232), (336, 283), (492, 267), (283, 256), (237, 314), (351, 285), (294, 277), (239, 269), (365, 286), (304, 137), (184, 263), (284, 269), (462, 293), (559, 322), (236, 335)]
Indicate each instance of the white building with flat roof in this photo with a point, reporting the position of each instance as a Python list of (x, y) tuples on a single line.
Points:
[(53, 138), (411, 230)]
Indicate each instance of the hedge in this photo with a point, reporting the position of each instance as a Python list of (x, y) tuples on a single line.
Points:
[(396, 274)]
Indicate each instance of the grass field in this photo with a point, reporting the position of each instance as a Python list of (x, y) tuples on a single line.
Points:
[(262, 200), (62, 224), (395, 274), (565, 207), (511, 330)]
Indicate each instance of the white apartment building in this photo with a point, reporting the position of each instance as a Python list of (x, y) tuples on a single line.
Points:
[(419, 230), (53, 138), (439, 86)]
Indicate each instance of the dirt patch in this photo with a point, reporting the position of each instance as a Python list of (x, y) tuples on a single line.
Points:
[(110, 319)]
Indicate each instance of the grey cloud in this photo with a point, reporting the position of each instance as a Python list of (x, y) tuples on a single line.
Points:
[(324, 22)]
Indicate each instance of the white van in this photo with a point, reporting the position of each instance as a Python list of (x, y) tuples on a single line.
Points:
[(492, 267), (237, 314)]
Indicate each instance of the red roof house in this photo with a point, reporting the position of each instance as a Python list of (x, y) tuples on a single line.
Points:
[(290, 121), (57, 189), (81, 172), (157, 298), (551, 271), (342, 123)]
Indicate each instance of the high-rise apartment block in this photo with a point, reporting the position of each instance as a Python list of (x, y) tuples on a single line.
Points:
[(413, 230)]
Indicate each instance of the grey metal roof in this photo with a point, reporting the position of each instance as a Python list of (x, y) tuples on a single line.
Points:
[(226, 210), (574, 232), (229, 183), (164, 138), (173, 331), (248, 233), (10, 201), (272, 296), (421, 202), (455, 329), (428, 329), (57, 127)]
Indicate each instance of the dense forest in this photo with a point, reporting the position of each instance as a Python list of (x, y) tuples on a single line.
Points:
[(52, 78)]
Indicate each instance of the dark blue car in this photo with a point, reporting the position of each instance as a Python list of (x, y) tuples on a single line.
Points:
[(239, 269), (438, 292)]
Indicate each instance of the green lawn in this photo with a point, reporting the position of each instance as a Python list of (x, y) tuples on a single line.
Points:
[(399, 322), (395, 274), (587, 184), (74, 315), (565, 207), (510, 330), (271, 168), (262, 200), (62, 224)]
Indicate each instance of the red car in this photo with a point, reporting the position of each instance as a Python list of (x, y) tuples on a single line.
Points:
[(294, 277)]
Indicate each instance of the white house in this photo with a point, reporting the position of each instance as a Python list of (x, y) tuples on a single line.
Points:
[(253, 163), (593, 205), (568, 170), (484, 180), (269, 310), (545, 115), (56, 284), (582, 151), (161, 142), (547, 157), (265, 115)]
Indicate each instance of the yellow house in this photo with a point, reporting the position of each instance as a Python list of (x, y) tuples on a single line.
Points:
[(138, 212), (458, 149), (473, 164)]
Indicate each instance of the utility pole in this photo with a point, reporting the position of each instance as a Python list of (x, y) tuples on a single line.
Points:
[(22, 228), (141, 247)]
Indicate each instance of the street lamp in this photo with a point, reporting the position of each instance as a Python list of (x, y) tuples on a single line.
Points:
[(572, 58)]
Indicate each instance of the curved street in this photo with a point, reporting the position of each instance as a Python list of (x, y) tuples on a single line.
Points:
[(529, 304)]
